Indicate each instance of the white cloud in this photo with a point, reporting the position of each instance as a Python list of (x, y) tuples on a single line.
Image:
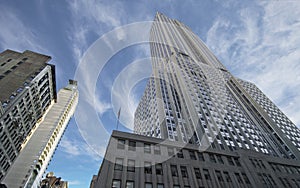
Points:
[(76, 148), (74, 182), (264, 47)]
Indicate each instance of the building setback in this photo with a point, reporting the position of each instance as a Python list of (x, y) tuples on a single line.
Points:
[(30, 165), (205, 127), (27, 89), (133, 160)]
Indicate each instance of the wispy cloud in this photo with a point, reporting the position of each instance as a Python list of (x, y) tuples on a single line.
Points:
[(76, 148), (15, 35), (263, 46)]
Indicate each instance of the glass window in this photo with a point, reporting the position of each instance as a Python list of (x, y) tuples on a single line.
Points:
[(237, 162), (148, 185), (132, 146), (230, 161), (206, 174), (179, 153), (245, 178), (116, 184), (157, 149), (159, 169), (192, 155), (174, 170), (220, 160), (238, 177), (219, 176), (121, 144), (197, 173), (148, 168), (131, 165), (200, 156), (212, 158), (184, 172), (160, 185), (147, 148), (119, 164), (130, 184)]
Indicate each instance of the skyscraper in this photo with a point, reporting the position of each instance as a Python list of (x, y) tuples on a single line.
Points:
[(27, 89), (30, 165), (193, 98), (199, 126)]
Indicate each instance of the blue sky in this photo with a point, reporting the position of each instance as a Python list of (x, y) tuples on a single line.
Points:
[(258, 41)]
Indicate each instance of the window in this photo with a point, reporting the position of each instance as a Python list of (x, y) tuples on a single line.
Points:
[(159, 169), (227, 176), (116, 184), (174, 170), (197, 173), (179, 153), (176, 186), (230, 161), (147, 148), (219, 176), (119, 164), (148, 168), (131, 165), (212, 158), (192, 155), (184, 172), (238, 177), (130, 184), (220, 160), (206, 174), (132, 146), (159, 185), (170, 151), (157, 149), (121, 144), (200, 156), (148, 185), (237, 162), (245, 178)]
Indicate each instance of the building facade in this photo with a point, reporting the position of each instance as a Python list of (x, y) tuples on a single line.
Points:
[(192, 98), (133, 161), (27, 89), (30, 165), (53, 181)]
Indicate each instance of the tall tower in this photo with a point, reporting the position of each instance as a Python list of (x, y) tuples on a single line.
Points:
[(193, 98), (27, 89), (30, 165)]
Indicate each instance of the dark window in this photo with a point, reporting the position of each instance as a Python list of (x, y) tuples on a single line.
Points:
[(131, 165), (227, 176), (174, 170), (230, 161), (200, 156), (220, 160), (132, 146), (197, 173), (237, 162), (14, 67), (121, 144), (157, 149), (238, 177), (179, 153), (147, 148), (20, 62), (148, 168), (184, 172), (206, 174), (192, 155), (7, 72), (159, 169), (119, 164), (245, 178), (219, 176), (212, 158), (3, 64), (116, 184), (1, 76)]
